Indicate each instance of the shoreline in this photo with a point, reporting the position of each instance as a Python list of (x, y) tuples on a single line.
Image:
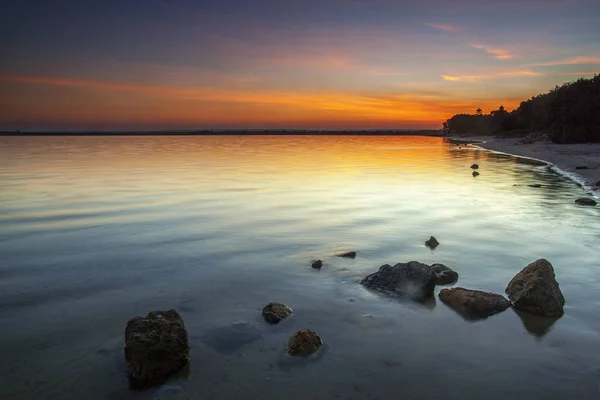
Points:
[(562, 159)]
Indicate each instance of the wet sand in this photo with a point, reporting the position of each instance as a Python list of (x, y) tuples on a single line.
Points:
[(566, 157)]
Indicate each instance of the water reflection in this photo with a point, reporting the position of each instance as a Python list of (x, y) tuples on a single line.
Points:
[(536, 325)]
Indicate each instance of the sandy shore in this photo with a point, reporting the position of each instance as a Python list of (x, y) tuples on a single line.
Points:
[(565, 157)]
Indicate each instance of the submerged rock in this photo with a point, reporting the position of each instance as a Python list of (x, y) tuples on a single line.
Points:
[(582, 167), (303, 343), (536, 291), (584, 201), (317, 264), (432, 243), (474, 166), (275, 312), (473, 304), (414, 280), (230, 338), (475, 173), (156, 346), (535, 185), (350, 254), (531, 161)]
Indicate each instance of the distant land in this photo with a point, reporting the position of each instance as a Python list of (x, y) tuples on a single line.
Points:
[(231, 132)]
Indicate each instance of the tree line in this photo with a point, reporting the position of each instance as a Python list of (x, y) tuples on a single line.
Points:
[(568, 114)]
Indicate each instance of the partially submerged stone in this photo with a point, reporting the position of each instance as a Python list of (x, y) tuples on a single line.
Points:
[(535, 185), (536, 291), (275, 312), (414, 280), (317, 264), (349, 254), (475, 173), (474, 166), (432, 243), (585, 201), (582, 167), (156, 346), (473, 304), (303, 343)]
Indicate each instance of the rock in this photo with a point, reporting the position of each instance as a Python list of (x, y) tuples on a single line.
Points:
[(582, 167), (474, 166), (473, 303), (584, 201), (303, 343), (317, 264), (275, 312), (597, 184), (443, 275), (414, 280), (535, 185), (536, 291), (432, 243), (350, 254), (475, 173), (156, 346)]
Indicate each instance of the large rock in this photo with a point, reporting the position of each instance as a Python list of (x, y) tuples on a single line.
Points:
[(584, 201), (304, 343), (473, 303), (536, 291), (275, 312), (413, 279), (156, 346)]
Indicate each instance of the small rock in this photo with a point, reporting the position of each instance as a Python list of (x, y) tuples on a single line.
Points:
[(275, 312), (156, 346), (414, 280), (584, 201), (475, 173), (597, 184), (303, 343), (536, 291), (582, 167), (350, 254), (473, 303), (474, 166), (432, 243), (317, 264), (535, 185)]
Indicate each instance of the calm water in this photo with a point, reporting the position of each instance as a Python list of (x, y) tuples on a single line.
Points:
[(96, 230)]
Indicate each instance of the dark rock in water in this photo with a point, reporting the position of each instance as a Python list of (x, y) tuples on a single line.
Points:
[(317, 264), (230, 338), (475, 173), (474, 166), (303, 343), (581, 167), (584, 201), (156, 346), (443, 275), (275, 312), (536, 291), (350, 254), (597, 184), (414, 280), (473, 304), (432, 243), (535, 185)]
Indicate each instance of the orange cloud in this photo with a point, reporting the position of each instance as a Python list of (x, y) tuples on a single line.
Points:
[(497, 53), (568, 61), (447, 28), (477, 78)]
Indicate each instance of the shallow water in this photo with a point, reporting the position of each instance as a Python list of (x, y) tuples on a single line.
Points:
[(96, 230)]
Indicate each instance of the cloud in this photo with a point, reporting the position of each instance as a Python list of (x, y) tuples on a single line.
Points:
[(447, 28), (500, 54), (477, 78), (568, 61)]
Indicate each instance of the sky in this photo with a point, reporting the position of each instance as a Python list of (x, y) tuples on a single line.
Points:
[(268, 64)]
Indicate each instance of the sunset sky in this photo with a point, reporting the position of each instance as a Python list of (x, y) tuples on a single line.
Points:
[(326, 64)]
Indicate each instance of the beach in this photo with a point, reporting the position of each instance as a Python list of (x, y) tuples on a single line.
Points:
[(565, 158)]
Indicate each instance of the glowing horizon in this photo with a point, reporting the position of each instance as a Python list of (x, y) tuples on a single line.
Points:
[(189, 65)]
